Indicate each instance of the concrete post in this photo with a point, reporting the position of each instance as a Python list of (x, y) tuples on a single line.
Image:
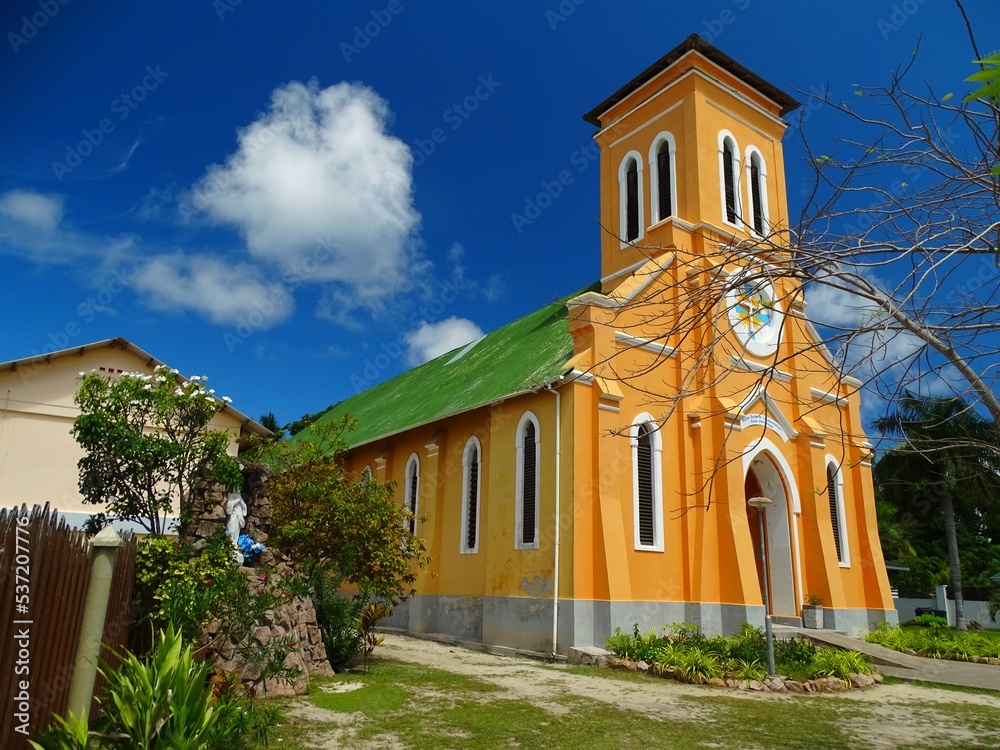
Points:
[(88, 650), (941, 595)]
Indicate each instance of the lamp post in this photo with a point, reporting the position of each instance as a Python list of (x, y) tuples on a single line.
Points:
[(760, 503)]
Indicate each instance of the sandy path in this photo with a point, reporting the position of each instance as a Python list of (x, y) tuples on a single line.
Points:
[(898, 714)]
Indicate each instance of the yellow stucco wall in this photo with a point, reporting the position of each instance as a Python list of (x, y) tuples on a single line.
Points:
[(709, 553), (38, 455)]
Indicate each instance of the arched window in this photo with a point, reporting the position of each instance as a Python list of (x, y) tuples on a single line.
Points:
[(835, 496), (412, 491), (663, 177), (471, 464), (630, 196), (647, 483), (526, 522), (366, 475), (757, 177), (728, 175)]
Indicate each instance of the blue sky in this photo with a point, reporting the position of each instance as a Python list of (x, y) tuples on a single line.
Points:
[(296, 199)]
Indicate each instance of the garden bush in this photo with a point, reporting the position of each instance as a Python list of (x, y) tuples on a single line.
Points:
[(336, 615), (186, 589), (740, 657), (935, 641), (164, 702)]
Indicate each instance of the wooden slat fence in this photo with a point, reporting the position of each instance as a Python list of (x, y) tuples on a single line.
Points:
[(44, 573)]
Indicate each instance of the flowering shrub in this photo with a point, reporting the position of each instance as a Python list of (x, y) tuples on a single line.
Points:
[(139, 473)]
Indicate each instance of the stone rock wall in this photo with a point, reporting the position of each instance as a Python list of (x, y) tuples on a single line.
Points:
[(297, 618)]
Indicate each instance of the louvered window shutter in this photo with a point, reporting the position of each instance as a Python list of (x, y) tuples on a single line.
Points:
[(413, 500), (663, 186), (470, 531), (730, 179), (831, 490), (632, 202), (644, 468), (529, 510), (758, 206)]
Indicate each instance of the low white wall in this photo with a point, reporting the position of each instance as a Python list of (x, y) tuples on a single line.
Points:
[(978, 611)]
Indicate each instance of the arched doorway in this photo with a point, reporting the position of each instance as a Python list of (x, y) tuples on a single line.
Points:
[(763, 479)]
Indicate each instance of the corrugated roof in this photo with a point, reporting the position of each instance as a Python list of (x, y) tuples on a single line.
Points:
[(518, 358)]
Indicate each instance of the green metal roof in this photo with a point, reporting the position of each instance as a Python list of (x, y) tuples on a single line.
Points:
[(517, 358)]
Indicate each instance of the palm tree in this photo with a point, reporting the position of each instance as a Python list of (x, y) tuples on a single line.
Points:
[(949, 455), (270, 422)]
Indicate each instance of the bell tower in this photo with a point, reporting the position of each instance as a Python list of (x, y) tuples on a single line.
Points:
[(691, 156)]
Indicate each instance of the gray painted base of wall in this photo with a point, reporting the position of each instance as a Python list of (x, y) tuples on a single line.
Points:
[(856, 622), (526, 623)]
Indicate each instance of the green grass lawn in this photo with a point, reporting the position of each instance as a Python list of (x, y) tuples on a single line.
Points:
[(402, 705)]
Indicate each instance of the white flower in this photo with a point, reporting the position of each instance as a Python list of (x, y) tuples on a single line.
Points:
[(211, 390), (227, 400)]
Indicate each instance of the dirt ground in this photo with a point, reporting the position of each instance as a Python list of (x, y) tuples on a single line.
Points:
[(901, 714)]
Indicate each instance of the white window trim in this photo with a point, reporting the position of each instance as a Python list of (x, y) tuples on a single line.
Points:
[(764, 208), (654, 182), (519, 480), (413, 461), (656, 443), (463, 545), (845, 548), (737, 187), (623, 198)]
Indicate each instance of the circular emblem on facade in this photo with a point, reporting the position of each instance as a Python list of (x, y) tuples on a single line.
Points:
[(755, 314)]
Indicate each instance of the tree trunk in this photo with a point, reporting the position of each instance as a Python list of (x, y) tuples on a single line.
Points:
[(956, 566)]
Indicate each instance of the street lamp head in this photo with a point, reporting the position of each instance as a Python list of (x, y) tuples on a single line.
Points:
[(759, 502)]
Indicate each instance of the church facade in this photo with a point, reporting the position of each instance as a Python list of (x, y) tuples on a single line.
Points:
[(588, 466)]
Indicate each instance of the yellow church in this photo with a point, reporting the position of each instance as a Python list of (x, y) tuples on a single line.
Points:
[(588, 466)]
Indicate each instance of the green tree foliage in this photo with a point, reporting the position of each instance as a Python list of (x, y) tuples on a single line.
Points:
[(305, 420), (163, 702), (270, 422), (338, 522), (946, 468), (147, 442), (211, 601)]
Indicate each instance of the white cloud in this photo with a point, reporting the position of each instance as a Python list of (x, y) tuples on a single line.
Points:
[(225, 293), (39, 211), (835, 307), (318, 177), (431, 340)]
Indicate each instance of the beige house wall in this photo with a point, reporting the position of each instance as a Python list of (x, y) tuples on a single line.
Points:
[(38, 455)]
